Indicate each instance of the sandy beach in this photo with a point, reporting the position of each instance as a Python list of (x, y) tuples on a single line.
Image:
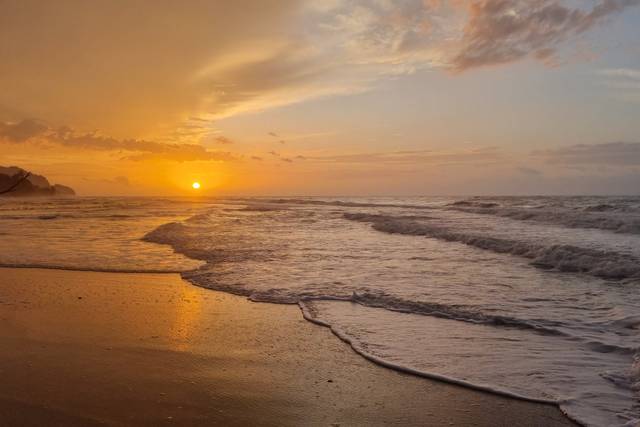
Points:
[(82, 348), (320, 213)]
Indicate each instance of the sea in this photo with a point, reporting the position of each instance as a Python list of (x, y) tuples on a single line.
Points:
[(532, 297)]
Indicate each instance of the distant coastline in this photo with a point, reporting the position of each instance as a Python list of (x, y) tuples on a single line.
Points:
[(17, 182)]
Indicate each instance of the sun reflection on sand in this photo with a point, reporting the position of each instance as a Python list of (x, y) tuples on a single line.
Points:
[(188, 318)]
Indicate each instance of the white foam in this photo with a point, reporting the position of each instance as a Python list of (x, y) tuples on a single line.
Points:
[(340, 333), (618, 218), (567, 258), (565, 373)]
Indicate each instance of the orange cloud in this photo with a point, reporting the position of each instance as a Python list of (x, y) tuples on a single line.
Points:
[(122, 71), (36, 132)]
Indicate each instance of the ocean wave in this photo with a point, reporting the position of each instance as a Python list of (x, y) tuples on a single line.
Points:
[(624, 380), (630, 379), (193, 219), (464, 314), (379, 300), (465, 203), (260, 208), (48, 217), (628, 322), (600, 347), (43, 217), (310, 314), (602, 207), (601, 216), (340, 203), (565, 258), (370, 299), (178, 236)]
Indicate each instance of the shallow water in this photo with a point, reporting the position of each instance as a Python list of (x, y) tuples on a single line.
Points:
[(535, 297)]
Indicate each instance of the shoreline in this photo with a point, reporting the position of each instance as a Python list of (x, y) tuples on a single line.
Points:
[(142, 348), (422, 374)]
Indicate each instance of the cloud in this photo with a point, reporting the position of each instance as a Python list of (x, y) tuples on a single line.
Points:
[(122, 180), (479, 156), (503, 31), (222, 140), (22, 130), (528, 171), (399, 37), (132, 68), (125, 74), (606, 154), (391, 36), (31, 131), (185, 154), (275, 135), (624, 83), (193, 129), (628, 73)]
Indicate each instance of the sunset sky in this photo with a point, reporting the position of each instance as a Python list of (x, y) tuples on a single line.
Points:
[(331, 97)]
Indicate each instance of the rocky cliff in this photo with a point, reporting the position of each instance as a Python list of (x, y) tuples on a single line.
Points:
[(34, 185)]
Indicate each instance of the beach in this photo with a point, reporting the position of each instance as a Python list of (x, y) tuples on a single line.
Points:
[(87, 348), (320, 213)]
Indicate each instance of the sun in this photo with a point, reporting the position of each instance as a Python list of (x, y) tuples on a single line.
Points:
[(196, 185)]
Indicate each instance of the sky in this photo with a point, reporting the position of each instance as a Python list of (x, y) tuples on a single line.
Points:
[(332, 97)]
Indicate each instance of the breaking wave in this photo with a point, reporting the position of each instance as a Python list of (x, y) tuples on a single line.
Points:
[(565, 258), (341, 203), (389, 302), (311, 315), (600, 216)]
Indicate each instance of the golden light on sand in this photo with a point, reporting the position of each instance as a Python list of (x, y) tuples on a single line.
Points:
[(196, 185)]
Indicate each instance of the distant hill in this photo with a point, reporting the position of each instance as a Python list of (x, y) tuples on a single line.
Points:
[(33, 186)]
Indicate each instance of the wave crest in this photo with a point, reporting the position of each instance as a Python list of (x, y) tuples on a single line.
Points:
[(565, 258), (601, 216)]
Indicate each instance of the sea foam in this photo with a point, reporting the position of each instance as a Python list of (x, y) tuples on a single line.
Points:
[(566, 258)]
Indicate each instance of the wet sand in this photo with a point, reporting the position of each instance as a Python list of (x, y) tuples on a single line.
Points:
[(83, 348)]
